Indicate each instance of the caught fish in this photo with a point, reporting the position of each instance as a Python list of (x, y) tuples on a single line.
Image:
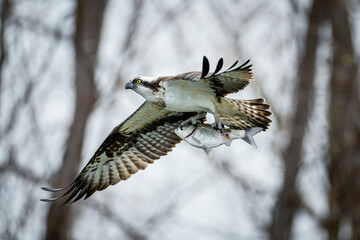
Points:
[(206, 137)]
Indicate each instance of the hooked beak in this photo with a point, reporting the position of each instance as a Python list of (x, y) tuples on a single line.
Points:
[(129, 85)]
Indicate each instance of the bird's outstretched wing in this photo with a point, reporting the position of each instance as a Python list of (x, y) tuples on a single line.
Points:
[(142, 138), (232, 80)]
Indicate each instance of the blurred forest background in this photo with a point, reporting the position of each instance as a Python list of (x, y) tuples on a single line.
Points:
[(63, 66)]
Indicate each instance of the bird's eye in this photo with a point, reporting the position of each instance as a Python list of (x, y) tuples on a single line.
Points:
[(138, 81)]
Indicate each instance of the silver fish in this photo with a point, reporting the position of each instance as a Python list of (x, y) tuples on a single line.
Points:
[(206, 137)]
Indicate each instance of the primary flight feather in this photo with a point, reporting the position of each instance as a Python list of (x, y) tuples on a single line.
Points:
[(149, 133)]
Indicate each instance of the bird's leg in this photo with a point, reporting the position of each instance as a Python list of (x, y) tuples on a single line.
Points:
[(218, 124), (194, 119)]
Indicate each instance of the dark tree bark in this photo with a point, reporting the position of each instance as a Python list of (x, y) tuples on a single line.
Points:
[(344, 129), (89, 17), (288, 199), (4, 15)]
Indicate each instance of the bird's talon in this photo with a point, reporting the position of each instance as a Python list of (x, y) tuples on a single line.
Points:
[(194, 120), (219, 125)]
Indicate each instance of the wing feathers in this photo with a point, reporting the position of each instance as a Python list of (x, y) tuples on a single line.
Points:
[(114, 176), (120, 166), (161, 142), (236, 62), (145, 151), (140, 164), (218, 66), (205, 67), (242, 66), (129, 148), (103, 179), (169, 140), (150, 148), (156, 143), (80, 195), (230, 81), (56, 189), (140, 154)]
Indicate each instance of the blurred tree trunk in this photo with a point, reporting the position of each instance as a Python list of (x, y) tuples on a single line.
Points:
[(89, 17), (4, 15), (288, 199), (344, 129)]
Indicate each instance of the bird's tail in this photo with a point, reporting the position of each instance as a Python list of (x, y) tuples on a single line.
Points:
[(244, 114)]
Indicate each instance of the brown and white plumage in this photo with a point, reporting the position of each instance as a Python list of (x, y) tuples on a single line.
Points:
[(149, 133), (232, 80), (206, 92), (144, 137)]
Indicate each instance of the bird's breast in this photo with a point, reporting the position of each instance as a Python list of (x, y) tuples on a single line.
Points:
[(187, 96)]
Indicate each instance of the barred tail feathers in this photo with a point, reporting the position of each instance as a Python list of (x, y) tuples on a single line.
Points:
[(244, 114)]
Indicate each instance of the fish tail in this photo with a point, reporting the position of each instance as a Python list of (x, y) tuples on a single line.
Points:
[(244, 114), (249, 135)]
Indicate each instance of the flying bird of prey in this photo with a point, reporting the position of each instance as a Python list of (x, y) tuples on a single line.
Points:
[(148, 133)]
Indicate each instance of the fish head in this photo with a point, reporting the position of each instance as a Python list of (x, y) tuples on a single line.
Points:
[(185, 131)]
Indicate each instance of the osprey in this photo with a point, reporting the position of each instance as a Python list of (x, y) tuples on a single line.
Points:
[(149, 133)]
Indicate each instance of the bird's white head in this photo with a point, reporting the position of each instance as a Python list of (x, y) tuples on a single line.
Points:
[(145, 86)]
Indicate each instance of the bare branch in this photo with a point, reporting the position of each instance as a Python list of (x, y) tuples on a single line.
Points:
[(130, 231), (38, 26), (12, 166)]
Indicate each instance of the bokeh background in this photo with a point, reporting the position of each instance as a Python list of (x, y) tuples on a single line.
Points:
[(63, 66)]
